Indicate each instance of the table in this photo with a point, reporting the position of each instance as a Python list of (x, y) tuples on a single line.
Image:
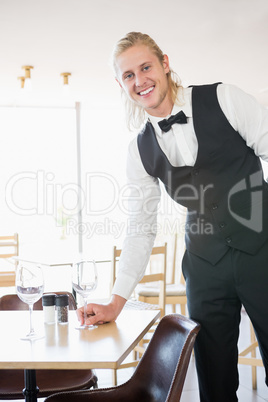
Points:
[(64, 347)]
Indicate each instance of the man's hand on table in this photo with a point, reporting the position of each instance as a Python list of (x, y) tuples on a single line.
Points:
[(102, 313)]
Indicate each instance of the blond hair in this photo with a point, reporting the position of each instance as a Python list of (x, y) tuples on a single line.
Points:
[(135, 114)]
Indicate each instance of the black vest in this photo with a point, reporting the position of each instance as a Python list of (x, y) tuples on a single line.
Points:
[(224, 192)]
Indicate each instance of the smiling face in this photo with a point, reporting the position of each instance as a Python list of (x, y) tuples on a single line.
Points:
[(144, 78)]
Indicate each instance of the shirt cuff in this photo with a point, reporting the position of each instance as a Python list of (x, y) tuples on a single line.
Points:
[(124, 285)]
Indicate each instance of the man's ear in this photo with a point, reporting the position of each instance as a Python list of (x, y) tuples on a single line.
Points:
[(166, 63), (119, 83)]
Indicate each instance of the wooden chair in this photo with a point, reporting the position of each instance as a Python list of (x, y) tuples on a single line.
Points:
[(48, 381), (9, 247), (175, 292), (161, 372), (160, 278), (252, 360)]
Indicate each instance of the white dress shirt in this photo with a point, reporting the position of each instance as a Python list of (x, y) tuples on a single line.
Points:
[(180, 146)]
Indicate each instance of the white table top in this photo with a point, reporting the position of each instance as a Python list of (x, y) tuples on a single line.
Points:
[(64, 347)]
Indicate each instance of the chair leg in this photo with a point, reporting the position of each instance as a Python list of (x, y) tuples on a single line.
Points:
[(183, 309), (253, 354), (114, 373)]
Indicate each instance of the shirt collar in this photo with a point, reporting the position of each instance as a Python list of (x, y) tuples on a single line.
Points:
[(186, 108)]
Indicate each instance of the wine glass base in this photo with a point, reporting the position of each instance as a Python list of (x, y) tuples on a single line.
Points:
[(86, 327), (32, 337)]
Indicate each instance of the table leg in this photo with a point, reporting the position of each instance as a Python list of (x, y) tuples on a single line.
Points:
[(31, 390)]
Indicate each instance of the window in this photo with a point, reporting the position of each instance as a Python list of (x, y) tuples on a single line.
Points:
[(38, 174)]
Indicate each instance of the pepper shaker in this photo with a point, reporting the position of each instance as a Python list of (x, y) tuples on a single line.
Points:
[(48, 303), (62, 308)]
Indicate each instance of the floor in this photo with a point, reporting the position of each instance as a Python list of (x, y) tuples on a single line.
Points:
[(190, 392), (245, 392)]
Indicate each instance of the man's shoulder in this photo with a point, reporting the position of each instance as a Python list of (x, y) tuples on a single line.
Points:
[(146, 129)]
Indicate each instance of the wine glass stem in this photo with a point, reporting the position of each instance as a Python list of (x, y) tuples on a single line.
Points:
[(85, 310), (31, 320)]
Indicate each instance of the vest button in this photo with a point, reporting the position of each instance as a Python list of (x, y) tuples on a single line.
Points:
[(228, 240), (214, 206), (195, 172), (222, 225)]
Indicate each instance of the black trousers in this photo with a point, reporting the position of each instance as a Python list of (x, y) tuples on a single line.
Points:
[(215, 295)]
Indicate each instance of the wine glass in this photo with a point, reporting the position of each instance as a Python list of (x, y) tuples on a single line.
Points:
[(84, 281), (29, 288)]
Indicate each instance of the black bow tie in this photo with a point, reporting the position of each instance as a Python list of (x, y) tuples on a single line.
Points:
[(166, 124)]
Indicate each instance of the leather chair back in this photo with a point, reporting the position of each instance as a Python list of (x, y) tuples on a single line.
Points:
[(13, 302), (161, 373)]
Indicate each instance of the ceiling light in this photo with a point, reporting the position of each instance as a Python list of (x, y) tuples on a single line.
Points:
[(27, 82), (66, 82), (22, 80)]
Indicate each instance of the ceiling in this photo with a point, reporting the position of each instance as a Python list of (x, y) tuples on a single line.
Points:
[(206, 40)]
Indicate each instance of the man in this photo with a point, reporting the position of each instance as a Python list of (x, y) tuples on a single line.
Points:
[(208, 159)]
